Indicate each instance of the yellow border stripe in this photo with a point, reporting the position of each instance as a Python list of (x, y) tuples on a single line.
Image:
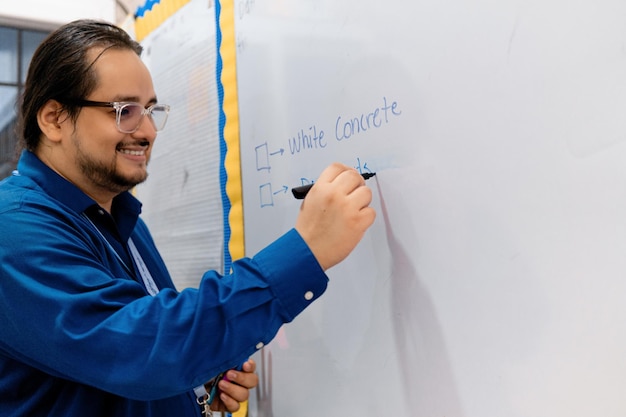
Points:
[(154, 17), (232, 162)]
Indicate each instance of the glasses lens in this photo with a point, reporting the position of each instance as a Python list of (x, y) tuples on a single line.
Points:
[(129, 117), (158, 114)]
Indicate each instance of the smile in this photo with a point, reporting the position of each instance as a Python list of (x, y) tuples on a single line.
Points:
[(133, 153)]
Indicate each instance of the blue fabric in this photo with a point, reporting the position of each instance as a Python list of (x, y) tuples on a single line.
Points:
[(80, 336)]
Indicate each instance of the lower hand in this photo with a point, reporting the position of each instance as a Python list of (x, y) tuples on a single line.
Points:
[(235, 388)]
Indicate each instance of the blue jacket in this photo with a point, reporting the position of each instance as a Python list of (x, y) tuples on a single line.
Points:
[(79, 334)]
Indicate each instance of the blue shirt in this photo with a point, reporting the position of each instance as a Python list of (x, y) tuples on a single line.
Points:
[(79, 334)]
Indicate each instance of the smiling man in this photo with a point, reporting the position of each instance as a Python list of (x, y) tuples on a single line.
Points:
[(105, 158), (90, 321)]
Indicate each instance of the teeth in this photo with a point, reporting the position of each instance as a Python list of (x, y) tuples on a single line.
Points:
[(134, 153)]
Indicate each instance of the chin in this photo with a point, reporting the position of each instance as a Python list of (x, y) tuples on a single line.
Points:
[(139, 179), (127, 182)]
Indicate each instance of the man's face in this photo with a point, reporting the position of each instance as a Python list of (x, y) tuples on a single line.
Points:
[(106, 160)]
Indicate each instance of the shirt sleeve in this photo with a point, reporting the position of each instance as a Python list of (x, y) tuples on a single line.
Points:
[(64, 312)]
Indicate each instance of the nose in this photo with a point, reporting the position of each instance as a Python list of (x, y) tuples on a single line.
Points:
[(146, 129)]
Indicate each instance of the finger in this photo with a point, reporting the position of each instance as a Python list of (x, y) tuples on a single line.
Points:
[(249, 366), (224, 403), (230, 404), (361, 196), (348, 181), (367, 215), (345, 181), (332, 171), (218, 405), (236, 392), (245, 379)]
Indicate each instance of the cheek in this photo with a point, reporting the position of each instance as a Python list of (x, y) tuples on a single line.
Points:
[(101, 127), (101, 139)]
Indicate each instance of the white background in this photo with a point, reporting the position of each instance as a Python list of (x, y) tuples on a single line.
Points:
[(54, 13)]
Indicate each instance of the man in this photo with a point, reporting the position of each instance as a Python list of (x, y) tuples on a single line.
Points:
[(90, 322)]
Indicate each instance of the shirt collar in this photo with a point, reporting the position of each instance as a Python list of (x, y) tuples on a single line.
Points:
[(125, 208)]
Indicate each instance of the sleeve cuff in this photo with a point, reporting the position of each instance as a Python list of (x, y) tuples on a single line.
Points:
[(296, 277)]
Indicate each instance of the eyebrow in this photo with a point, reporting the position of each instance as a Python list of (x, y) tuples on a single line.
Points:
[(134, 99)]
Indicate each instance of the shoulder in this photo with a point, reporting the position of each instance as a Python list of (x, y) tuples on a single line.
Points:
[(16, 190)]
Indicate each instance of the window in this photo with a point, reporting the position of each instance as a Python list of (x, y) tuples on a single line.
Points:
[(16, 50)]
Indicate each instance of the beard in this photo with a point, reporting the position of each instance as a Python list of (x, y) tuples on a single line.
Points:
[(105, 175)]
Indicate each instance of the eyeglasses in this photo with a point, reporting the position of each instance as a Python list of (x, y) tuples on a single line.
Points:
[(129, 115)]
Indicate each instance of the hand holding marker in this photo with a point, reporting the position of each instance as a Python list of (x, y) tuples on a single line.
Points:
[(301, 192)]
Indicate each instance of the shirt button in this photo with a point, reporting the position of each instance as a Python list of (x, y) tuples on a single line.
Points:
[(101, 212), (259, 345), (308, 295)]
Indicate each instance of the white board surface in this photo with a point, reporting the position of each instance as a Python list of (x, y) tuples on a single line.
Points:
[(493, 281)]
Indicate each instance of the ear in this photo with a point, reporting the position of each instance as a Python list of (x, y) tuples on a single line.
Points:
[(50, 118)]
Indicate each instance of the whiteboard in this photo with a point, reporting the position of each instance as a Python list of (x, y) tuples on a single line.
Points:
[(493, 282)]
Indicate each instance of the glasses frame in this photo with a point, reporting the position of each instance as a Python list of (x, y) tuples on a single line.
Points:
[(119, 105)]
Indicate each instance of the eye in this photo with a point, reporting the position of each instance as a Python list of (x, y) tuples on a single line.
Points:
[(128, 111)]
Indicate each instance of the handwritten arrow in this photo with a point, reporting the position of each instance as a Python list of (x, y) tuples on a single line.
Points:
[(281, 151), (283, 190)]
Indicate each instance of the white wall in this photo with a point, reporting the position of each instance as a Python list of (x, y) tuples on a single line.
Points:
[(47, 13)]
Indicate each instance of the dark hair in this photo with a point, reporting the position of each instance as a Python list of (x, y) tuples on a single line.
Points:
[(59, 70)]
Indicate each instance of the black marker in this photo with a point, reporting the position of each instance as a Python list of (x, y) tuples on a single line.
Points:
[(301, 191)]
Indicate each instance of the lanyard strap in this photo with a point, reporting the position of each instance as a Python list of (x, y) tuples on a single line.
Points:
[(146, 276), (150, 285)]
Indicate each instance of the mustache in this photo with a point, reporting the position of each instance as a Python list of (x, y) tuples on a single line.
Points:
[(143, 143)]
